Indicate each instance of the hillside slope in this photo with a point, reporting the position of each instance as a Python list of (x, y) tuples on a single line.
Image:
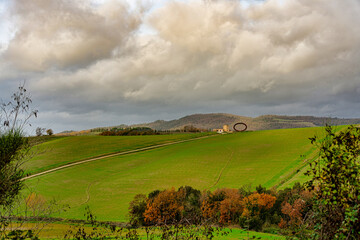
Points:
[(266, 122), (230, 160), (60, 151)]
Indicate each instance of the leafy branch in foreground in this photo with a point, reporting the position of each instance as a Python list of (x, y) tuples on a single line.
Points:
[(14, 146), (93, 229), (14, 151), (336, 179)]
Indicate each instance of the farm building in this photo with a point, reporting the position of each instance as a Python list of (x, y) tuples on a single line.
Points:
[(225, 129)]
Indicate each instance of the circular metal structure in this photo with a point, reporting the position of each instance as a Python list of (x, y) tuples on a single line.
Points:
[(238, 125)]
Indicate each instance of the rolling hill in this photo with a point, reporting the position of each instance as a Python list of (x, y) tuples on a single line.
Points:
[(265, 122), (108, 185), (211, 121)]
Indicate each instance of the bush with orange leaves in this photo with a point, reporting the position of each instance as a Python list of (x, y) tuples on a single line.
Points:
[(295, 209), (256, 210), (231, 207), (282, 224), (38, 207), (210, 204), (165, 208), (257, 202), (223, 206), (35, 202), (252, 210)]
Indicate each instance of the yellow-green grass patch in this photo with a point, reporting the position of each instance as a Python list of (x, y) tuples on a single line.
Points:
[(63, 150)]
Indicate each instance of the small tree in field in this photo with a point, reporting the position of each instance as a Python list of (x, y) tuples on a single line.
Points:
[(39, 131), (336, 181), (49, 132)]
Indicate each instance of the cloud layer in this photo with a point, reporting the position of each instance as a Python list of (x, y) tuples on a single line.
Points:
[(289, 57), (67, 34)]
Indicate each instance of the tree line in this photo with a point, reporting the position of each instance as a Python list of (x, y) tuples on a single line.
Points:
[(139, 131), (264, 209)]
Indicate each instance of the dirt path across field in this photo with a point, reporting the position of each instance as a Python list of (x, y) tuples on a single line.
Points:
[(222, 170), (111, 155)]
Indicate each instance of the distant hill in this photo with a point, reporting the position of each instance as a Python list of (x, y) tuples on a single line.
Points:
[(217, 120)]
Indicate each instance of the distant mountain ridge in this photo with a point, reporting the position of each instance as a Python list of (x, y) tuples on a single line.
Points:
[(217, 120)]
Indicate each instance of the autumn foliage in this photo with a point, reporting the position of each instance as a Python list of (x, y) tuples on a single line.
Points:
[(223, 206), (294, 211), (284, 209), (165, 208), (257, 202), (35, 201), (250, 209)]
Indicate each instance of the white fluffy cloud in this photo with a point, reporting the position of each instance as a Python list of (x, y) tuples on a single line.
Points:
[(273, 53), (67, 34)]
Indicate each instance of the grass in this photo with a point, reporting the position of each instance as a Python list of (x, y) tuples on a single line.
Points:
[(237, 233), (298, 175), (57, 230), (58, 151), (233, 160)]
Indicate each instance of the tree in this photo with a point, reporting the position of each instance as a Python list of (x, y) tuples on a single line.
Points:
[(137, 209), (16, 113), (14, 149), (210, 204), (256, 202), (39, 131), (336, 181), (191, 204), (165, 208), (14, 146), (171, 214), (49, 132), (256, 207), (294, 212), (231, 207)]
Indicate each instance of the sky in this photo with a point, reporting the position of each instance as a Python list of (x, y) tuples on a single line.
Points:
[(91, 63)]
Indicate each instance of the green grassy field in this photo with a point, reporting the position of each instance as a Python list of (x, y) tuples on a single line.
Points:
[(242, 234), (58, 151), (233, 160), (58, 230)]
